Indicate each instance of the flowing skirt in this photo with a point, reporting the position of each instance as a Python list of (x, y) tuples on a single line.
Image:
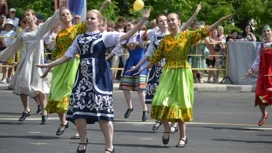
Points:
[(63, 78), (174, 97)]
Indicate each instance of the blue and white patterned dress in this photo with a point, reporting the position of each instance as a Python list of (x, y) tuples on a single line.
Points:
[(91, 97), (135, 46), (156, 70)]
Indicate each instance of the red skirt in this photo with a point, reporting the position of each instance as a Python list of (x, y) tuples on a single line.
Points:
[(263, 96)]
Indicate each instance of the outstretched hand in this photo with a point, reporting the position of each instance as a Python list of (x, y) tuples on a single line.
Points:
[(199, 7), (245, 76), (132, 68), (147, 13), (139, 72), (64, 3), (45, 73), (226, 17)]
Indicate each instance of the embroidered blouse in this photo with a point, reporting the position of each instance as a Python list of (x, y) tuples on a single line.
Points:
[(66, 37), (175, 49)]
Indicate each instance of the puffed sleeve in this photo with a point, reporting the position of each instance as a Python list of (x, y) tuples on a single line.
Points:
[(111, 38), (159, 53), (194, 36), (12, 49), (117, 50), (73, 49), (150, 49), (256, 63)]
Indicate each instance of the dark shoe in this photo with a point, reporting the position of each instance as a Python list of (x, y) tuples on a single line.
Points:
[(75, 137), (39, 109), (24, 116), (44, 119), (127, 114), (156, 125), (110, 151), (165, 140), (85, 144), (145, 115), (60, 132), (182, 145)]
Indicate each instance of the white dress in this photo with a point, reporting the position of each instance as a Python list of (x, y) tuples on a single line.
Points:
[(26, 80)]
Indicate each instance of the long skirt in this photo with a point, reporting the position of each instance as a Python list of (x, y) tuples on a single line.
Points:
[(174, 97)]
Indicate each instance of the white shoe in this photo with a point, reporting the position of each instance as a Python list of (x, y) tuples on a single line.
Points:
[(3, 81)]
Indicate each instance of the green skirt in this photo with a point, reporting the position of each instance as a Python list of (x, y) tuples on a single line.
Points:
[(174, 97), (62, 82)]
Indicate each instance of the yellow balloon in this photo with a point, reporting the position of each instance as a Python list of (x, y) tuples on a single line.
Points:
[(138, 5)]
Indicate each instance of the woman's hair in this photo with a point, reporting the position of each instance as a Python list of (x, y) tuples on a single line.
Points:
[(31, 11), (63, 8), (157, 19), (99, 15), (244, 30)]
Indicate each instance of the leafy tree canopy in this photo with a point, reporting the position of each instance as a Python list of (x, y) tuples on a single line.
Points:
[(258, 11)]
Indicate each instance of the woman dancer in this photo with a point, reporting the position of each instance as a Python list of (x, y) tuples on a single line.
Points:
[(91, 98), (63, 76), (26, 81), (263, 64), (156, 70), (175, 103)]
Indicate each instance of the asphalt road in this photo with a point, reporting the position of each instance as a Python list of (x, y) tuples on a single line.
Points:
[(224, 123)]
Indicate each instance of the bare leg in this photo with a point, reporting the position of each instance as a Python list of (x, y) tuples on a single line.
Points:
[(128, 98), (81, 128), (25, 102), (42, 100), (62, 117), (182, 127), (4, 72), (107, 130), (142, 99), (166, 126), (264, 115)]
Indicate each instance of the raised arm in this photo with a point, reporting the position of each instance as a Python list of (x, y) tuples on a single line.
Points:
[(211, 27), (59, 61), (104, 5), (192, 18), (136, 27)]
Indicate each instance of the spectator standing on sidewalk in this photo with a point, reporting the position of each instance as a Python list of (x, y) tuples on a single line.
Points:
[(7, 36)]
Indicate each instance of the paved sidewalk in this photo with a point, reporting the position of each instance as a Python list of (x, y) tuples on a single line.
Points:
[(199, 87)]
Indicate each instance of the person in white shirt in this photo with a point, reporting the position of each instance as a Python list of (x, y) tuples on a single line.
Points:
[(12, 16), (6, 38)]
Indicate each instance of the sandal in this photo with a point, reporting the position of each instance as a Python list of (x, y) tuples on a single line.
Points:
[(156, 125), (262, 120), (85, 144), (110, 151), (165, 140), (59, 131), (182, 145)]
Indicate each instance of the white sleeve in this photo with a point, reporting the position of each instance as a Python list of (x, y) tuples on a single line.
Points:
[(150, 49), (117, 50), (111, 38), (256, 63), (73, 49)]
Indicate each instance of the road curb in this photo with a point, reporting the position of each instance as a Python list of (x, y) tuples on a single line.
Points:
[(198, 87)]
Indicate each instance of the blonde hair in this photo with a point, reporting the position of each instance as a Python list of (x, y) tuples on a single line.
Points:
[(95, 11), (31, 11)]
